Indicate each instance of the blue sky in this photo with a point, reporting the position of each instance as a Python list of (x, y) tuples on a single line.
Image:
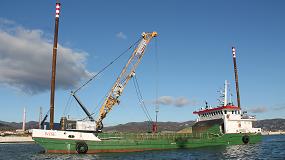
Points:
[(193, 47)]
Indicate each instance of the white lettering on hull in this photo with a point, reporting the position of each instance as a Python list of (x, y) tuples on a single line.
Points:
[(57, 134)]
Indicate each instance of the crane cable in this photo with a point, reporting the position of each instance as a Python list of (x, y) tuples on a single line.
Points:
[(140, 98), (67, 104), (97, 109), (156, 79), (103, 69)]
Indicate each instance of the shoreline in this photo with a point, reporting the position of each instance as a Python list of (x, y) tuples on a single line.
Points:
[(16, 139), (273, 133)]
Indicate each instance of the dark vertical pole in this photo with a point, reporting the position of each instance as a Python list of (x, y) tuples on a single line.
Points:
[(156, 116), (236, 75), (52, 84)]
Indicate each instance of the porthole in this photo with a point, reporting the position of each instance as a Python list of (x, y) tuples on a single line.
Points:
[(70, 136)]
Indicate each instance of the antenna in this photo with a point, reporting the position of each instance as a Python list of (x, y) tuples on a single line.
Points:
[(230, 92), (221, 98), (52, 85), (226, 93)]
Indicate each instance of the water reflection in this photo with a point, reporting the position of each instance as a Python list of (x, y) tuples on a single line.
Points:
[(272, 147), (241, 151)]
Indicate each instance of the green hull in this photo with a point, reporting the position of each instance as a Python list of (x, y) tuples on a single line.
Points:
[(142, 142)]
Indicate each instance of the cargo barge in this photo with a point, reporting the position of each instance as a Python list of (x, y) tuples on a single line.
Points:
[(222, 125), (216, 126)]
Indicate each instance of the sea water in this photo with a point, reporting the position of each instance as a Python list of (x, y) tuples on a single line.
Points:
[(271, 147)]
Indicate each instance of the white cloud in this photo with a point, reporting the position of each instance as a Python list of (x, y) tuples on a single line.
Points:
[(258, 109), (25, 61), (165, 100), (181, 101), (178, 102), (4, 21), (121, 35)]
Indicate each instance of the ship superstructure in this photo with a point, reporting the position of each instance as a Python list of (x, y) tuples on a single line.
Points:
[(232, 119)]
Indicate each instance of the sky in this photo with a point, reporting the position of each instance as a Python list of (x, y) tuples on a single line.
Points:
[(182, 68)]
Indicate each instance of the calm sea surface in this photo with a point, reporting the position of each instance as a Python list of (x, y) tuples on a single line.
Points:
[(271, 147)]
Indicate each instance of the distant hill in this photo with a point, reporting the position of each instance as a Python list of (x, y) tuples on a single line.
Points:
[(267, 125), (13, 125), (271, 124), (5, 127)]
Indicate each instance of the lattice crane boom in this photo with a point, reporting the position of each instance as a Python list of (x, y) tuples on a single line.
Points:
[(126, 74)]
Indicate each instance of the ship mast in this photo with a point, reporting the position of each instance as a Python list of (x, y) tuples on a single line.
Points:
[(52, 85), (236, 75), (226, 93)]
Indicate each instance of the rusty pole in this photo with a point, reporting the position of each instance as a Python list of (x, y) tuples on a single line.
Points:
[(52, 84), (236, 75)]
